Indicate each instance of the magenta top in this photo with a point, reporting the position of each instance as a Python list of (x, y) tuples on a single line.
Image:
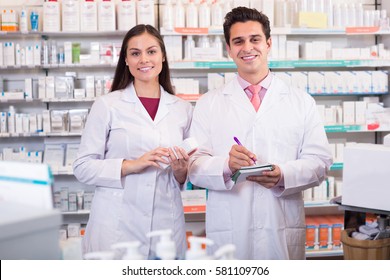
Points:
[(151, 105)]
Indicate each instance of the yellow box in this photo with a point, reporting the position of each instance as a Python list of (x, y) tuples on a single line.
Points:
[(313, 20)]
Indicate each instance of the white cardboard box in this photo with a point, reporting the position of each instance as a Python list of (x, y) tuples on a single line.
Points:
[(28, 233), (366, 176)]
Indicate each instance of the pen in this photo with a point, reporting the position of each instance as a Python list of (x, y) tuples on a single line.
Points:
[(239, 143)]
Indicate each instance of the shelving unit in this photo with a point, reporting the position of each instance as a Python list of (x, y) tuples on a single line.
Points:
[(13, 78)]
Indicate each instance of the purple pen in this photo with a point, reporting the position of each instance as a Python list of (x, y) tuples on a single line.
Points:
[(239, 143)]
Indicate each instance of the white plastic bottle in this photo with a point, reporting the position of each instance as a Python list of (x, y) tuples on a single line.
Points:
[(51, 16), (167, 23), (204, 15), (23, 25), (204, 42), (106, 16), (145, 12), (22, 56), (127, 15), (226, 252), (179, 15), (11, 119), (196, 252), (227, 7), (189, 45), (191, 15), (384, 21), (53, 53), (217, 43), (18, 61), (216, 14), (101, 255), (127, 250), (88, 16), (70, 10), (166, 248)]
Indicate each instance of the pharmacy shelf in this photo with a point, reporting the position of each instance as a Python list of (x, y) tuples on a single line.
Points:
[(354, 128), (349, 94), (82, 217), (318, 203), (13, 101), (58, 66), (286, 64), (193, 65), (35, 34), (40, 134), (48, 100), (280, 31), (337, 166), (324, 253), (78, 66), (62, 173), (328, 129), (65, 100)]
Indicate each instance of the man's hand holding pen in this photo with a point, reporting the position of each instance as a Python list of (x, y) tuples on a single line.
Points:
[(239, 156)]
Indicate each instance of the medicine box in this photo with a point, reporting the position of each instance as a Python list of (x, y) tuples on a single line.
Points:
[(366, 176)]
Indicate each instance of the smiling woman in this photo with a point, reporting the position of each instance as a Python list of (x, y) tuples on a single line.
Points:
[(130, 133), (134, 46)]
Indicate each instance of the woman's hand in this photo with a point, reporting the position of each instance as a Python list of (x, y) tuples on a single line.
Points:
[(148, 159), (178, 159)]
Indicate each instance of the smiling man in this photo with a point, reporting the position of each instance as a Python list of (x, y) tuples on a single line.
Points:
[(264, 215)]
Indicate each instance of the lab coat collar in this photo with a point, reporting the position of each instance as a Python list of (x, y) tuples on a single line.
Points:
[(238, 96), (129, 95), (277, 91)]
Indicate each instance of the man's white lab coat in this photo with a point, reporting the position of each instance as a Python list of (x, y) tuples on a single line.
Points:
[(287, 131)]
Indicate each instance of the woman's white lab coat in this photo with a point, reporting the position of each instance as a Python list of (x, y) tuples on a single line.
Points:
[(287, 131), (125, 209)]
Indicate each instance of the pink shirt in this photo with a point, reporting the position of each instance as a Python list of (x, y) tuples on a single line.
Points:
[(265, 84)]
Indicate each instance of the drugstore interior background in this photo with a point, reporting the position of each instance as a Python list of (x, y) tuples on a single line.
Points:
[(199, 63)]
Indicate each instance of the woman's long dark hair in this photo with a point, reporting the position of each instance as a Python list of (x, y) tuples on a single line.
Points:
[(123, 77)]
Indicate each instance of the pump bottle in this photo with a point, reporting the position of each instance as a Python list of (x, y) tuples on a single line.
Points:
[(127, 251), (196, 252), (226, 252), (102, 255), (165, 248)]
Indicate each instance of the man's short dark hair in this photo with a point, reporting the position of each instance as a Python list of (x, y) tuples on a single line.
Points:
[(243, 14)]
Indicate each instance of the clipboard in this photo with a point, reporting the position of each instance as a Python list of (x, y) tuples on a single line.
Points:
[(254, 170)]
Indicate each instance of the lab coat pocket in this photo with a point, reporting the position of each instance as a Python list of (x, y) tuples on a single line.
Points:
[(284, 151), (294, 211), (106, 206), (218, 217), (296, 238)]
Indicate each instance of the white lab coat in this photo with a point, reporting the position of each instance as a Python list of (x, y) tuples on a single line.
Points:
[(125, 209), (287, 131)]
